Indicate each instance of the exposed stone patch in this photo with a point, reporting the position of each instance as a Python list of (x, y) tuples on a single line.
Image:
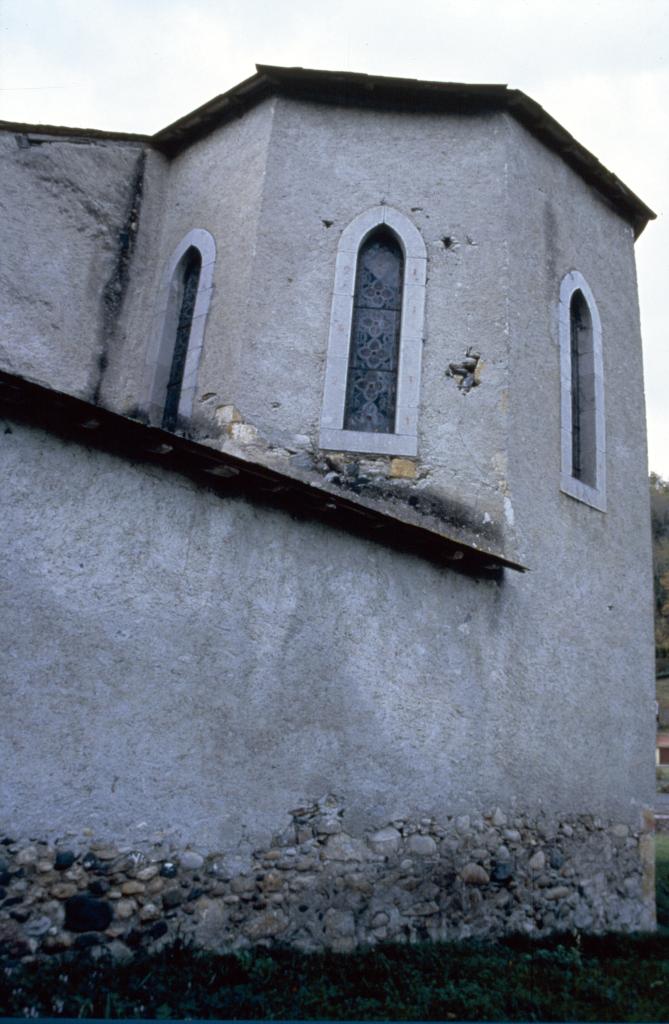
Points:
[(315, 886)]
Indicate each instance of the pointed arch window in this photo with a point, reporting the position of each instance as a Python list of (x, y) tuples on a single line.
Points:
[(372, 377), (173, 357), (583, 431), (583, 473), (189, 274), (371, 386)]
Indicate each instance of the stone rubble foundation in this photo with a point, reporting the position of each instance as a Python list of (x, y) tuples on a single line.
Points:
[(317, 887)]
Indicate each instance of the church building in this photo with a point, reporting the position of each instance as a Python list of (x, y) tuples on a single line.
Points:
[(326, 601)]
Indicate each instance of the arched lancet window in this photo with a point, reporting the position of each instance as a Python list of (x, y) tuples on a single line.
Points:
[(173, 356), (189, 274), (372, 375), (583, 434), (581, 368), (371, 387)]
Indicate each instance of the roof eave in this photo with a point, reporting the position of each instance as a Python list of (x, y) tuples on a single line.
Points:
[(200, 122), (551, 133), (48, 131), (355, 89), (304, 495)]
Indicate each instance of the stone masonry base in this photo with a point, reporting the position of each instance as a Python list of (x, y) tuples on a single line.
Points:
[(316, 887)]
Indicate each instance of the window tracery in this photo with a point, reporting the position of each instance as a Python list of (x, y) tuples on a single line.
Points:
[(372, 377), (190, 271), (177, 338), (371, 387)]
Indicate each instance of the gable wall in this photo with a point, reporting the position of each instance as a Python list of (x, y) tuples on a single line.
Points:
[(442, 172)]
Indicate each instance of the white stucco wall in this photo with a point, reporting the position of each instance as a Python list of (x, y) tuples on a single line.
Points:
[(215, 185), (202, 664), (330, 164), (591, 570), (64, 203), (210, 664)]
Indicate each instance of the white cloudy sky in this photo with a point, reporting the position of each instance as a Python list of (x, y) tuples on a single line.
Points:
[(599, 66)]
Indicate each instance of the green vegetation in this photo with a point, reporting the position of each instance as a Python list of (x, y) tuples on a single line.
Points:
[(659, 511), (569, 978), (662, 778), (662, 880), (662, 685)]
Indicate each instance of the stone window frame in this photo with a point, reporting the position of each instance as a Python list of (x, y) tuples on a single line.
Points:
[(595, 496), (164, 327), (404, 440)]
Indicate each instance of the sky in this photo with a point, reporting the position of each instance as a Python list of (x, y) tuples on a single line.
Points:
[(600, 67)]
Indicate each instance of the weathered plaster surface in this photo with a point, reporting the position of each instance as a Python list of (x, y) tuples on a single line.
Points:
[(64, 206), (203, 663), (266, 335), (214, 185), (594, 567), (443, 174)]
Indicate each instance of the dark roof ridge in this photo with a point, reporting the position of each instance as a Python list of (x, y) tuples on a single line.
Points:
[(296, 72), (356, 87), (360, 89)]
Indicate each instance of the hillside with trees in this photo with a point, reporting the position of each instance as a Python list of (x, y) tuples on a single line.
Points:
[(659, 510)]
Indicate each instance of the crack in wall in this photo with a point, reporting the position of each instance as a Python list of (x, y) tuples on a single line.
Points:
[(115, 289)]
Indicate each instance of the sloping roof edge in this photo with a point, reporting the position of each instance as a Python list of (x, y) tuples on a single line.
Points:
[(62, 131), (350, 88), (304, 496), (354, 89)]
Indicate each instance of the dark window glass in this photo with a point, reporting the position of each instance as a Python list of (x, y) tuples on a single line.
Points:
[(190, 276), (371, 387), (583, 436)]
